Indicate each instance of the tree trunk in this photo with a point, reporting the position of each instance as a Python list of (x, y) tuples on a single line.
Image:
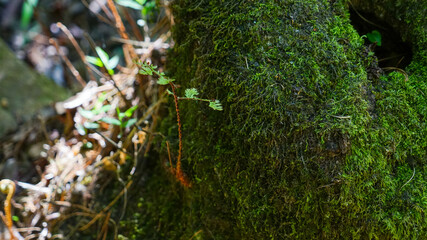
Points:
[(315, 141)]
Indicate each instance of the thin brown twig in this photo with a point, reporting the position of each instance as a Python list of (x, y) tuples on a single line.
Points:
[(73, 70), (133, 24), (105, 9), (121, 28), (77, 47), (104, 229), (195, 234), (99, 16)]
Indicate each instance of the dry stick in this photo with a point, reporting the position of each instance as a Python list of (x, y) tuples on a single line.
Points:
[(133, 24), (364, 19), (45, 29), (77, 47), (105, 9), (104, 229), (121, 28), (100, 17), (413, 174), (195, 234), (68, 63)]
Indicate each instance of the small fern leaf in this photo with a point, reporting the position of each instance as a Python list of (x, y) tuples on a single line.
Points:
[(191, 93), (215, 105), (164, 80)]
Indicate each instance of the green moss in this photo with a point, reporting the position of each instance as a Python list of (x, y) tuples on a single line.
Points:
[(306, 146)]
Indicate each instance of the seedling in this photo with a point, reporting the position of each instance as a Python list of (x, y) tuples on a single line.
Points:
[(190, 94), (94, 118), (104, 60), (374, 37)]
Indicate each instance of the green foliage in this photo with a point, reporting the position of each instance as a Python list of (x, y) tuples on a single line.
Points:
[(374, 37), (15, 218), (27, 12), (124, 119), (104, 60), (215, 105), (146, 7), (131, 4), (190, 93)]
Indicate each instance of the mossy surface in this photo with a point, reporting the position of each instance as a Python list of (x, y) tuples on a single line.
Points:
[(306, 147)]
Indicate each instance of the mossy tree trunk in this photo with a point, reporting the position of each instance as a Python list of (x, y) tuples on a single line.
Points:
[(307, 147)]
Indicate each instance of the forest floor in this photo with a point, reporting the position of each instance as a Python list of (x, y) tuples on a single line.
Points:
[(58, 170)]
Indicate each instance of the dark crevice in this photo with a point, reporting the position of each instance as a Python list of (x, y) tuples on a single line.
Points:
[(393, 52)]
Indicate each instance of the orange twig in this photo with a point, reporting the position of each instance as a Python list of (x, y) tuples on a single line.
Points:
[(178, 173), (121, 28), (8, 187), (133, 24)]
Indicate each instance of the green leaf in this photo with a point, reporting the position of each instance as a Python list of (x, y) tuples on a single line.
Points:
[(215, 105), (164, 80), (15, 218), (121, 116), (169, 92), (130, 111), (142, 2), (80, 129), (130, 122), (95, 61), (103, 56), (148, 8), (129, 4), (191, 93), (91, 125), (374, 37), (88, 145), (112, 121), (112, 63), (145, 70), (27, 12), (86, 113), (105, 108)]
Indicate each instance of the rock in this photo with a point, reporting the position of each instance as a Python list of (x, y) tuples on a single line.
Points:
[(23, 92)]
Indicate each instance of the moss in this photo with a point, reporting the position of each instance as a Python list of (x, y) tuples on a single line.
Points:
[(306, 147)]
